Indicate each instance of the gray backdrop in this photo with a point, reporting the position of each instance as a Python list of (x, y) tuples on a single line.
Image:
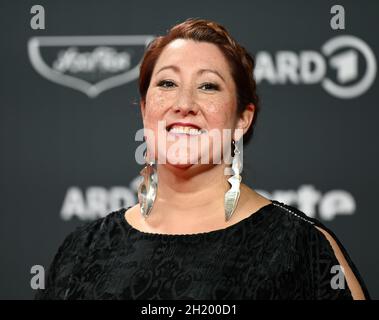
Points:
[(69, 115)]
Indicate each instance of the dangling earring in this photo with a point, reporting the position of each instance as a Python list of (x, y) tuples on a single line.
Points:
[(233, 194), (148, 188)]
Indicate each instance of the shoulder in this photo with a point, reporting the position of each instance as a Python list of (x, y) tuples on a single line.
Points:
[(289, 219), (321, 244), (74, 253), (300, 231), (86, 236)]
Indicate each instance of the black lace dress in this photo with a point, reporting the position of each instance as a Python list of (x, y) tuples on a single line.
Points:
[(275, 253)]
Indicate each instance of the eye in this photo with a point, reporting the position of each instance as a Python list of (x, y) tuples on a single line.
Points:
[(210, 86), (166, 84)]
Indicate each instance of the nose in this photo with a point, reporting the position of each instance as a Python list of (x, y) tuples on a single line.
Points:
[(186, 103)]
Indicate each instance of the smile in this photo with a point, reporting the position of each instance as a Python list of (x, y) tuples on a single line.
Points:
[(185, 130)]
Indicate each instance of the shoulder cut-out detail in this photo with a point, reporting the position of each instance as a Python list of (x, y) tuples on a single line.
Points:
[(351, 278)]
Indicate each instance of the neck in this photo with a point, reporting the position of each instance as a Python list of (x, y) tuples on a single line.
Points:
[(192, 189)]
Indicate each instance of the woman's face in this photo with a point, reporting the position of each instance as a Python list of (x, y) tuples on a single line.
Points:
[(191, 83)]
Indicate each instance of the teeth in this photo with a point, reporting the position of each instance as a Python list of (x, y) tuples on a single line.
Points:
[(186, 130)]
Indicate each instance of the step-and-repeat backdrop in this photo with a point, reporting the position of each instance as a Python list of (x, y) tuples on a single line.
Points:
[(69, 114)]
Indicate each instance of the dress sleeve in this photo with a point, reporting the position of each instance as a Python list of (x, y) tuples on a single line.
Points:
[(328, 278), (61, 275)]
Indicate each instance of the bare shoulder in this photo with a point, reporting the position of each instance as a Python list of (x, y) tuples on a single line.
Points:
[(351, 279)]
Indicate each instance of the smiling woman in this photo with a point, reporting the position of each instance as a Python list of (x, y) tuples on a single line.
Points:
[(201, 234)]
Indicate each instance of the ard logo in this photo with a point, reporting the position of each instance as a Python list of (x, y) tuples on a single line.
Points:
[(90, 64)]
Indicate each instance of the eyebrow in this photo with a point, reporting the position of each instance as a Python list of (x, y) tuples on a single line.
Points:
[(201, 71)]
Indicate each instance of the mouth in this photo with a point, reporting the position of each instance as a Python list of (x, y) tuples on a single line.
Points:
[(184, 129)]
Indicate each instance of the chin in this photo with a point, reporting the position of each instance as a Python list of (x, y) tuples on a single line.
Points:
[(182, 162), (178, 166)]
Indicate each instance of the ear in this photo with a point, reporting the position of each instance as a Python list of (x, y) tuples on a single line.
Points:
[(244, 121)]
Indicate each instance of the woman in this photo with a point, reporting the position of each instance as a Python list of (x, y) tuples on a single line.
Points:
[(197, 233)]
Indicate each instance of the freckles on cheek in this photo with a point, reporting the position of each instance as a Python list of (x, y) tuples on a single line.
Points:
[(214, 108), (219, 104), (160, 101), (219, 114), (155, 105)]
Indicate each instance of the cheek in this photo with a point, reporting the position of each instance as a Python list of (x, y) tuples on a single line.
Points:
[(220, 114), (156, 106)]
